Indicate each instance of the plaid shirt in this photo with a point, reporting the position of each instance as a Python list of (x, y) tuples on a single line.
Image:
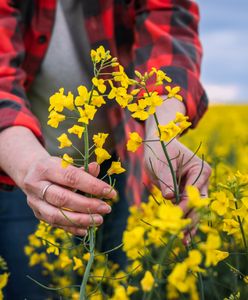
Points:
[(141, 33)]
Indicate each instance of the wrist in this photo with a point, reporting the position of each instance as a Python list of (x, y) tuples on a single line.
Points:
[(19, 150), (165, 113)]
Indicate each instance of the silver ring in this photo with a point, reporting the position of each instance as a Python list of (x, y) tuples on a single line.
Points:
[(43, 193)]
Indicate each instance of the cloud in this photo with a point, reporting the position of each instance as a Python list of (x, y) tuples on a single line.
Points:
[(226, 45), (223, 32), (222, 93), (225, 62)]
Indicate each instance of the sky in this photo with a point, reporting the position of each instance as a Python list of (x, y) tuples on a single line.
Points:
[(224, 36)]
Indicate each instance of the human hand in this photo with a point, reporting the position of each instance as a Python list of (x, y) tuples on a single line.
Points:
[(60, 206), (188, 167)]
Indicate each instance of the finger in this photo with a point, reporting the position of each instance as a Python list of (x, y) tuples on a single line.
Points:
[(73, 230), (184, 199), (166, 182), (183, 204), (52, 215), (197, 175), (62, 197), (94, 169), (75, 178), (192, 229)]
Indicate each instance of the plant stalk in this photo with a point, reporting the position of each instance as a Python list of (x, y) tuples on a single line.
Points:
[(176, 189)]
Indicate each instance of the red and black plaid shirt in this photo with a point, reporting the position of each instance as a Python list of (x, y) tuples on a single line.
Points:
[(141, 33)]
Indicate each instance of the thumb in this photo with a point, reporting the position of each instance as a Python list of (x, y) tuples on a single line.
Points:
[(166, 183), (94, 169)]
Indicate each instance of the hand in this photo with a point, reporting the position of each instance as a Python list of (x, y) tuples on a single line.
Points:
[(182, 158), (60, 206), (33, 169)]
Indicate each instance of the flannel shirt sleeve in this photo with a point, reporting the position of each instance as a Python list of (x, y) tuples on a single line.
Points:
[(166, 37), (14, 106)]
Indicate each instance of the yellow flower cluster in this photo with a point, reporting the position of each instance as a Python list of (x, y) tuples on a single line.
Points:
[(173, 128)]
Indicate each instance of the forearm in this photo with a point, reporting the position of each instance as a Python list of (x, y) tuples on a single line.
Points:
[(165, 113), (19, 148)]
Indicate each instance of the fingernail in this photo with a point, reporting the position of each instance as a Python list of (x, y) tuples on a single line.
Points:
[(97, 220), (110, 192), (104, 209), (81, 232)]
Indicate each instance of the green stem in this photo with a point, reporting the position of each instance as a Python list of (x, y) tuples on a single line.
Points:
[(163, 256), (242, 230), (82, 295), (86, 149), (202, 297), (78, 151), (91, 229), (200, 281), (176, 189)]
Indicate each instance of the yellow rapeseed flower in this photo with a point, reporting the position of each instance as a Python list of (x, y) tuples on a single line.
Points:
[(120, 293), (83, 97), (99, 54), (64, 141), (28, 250), (55, 118), (147, 282), (210, 247), (182, 121), (194, 198), (96, 296), (220, 204), (133, 239), (138, 110), (76, 129), (173, 92), (78, 263), (134, 141), (154, 100), (168, 132), (64, 260), (230, 226), (119, 94), (101, 155), (177, 277), (180, 117), (194, 258), (160, 76), (69, 101), (99, 83), (53, 249), (3, 280), (170, 219), (87, 113), (37, 258), (121, 76), (131, 289), (115, 168), (99, 139), (86, 256), (215, 256), (66, 161), (96, 99), (34, 240), (57, 101)]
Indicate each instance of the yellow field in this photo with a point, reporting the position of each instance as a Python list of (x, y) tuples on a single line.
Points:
[(223, 132), (212, 265)]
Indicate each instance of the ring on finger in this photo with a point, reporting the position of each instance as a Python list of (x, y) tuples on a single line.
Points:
[(43, 192)]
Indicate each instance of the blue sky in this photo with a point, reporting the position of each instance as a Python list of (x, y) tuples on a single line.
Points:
[(224, 35)]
